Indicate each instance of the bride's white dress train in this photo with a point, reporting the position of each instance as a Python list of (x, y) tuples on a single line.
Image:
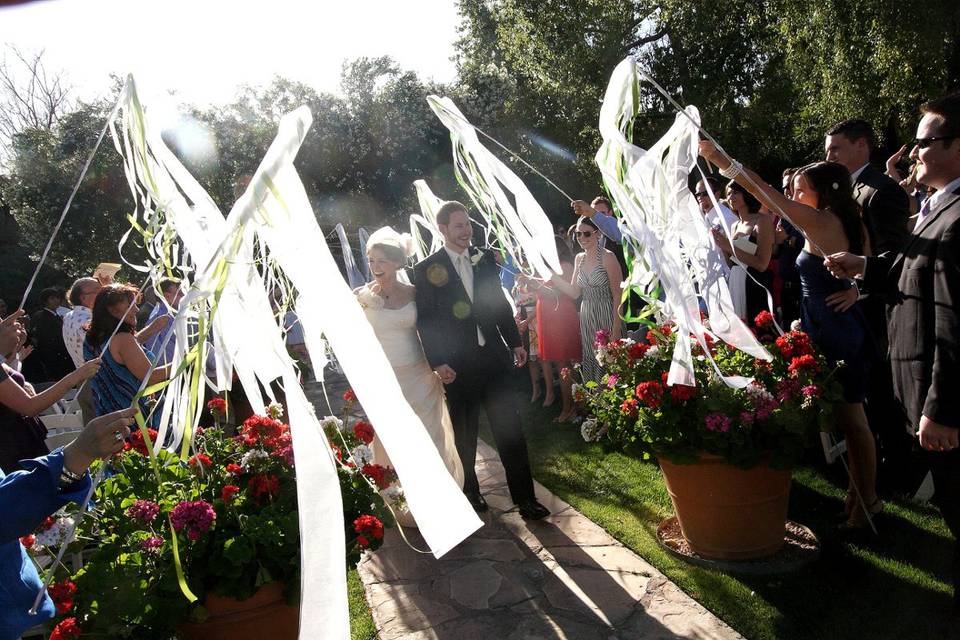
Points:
[(397, 331)]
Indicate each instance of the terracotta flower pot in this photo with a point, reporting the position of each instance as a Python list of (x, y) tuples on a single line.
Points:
[(263, 615), (727, 513)]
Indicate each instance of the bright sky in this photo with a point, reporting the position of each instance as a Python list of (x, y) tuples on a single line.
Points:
[(204, 49)]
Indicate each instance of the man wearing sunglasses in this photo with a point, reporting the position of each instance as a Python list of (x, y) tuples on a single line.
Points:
[(922, 286)]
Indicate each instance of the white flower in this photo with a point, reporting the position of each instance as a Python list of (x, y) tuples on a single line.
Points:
[(250, 458), (332, 422), (59, 533), (574, 389), (795, 326), (476, 258), (392, 493), (601, 356), (627, 341), (368, 299), (275, 410), (361, 455), (652, 352), (591, 431)]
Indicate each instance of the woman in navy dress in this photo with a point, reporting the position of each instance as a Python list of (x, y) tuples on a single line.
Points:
[(824, 209)]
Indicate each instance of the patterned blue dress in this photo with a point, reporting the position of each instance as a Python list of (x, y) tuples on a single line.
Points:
[(114, 386)]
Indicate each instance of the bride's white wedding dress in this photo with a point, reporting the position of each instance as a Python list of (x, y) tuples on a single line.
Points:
[(397, 331)]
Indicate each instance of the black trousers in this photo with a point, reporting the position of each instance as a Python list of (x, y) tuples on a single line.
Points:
[(945, 468), (488, 384)]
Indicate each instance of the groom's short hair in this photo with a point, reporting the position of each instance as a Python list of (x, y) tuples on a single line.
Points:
[(443, 214)]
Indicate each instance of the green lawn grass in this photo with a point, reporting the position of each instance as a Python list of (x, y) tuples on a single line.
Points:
[(361, 622), (895, 586)]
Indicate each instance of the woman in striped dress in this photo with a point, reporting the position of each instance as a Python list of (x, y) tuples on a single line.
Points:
[(124, 363), (596, 281)]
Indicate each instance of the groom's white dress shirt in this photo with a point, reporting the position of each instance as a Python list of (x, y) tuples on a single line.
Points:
[(461, 261)]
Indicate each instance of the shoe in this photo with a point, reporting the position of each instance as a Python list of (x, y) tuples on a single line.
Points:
[(857, 522), (533, 510), (477, 502)]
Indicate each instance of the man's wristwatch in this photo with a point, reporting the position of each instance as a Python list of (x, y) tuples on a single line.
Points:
[(68, 478)]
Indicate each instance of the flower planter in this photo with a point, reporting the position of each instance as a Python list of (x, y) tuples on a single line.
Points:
[(263, 615), (727, 513)]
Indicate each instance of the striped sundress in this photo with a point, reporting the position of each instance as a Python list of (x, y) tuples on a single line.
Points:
[(596, 313), (114, 385)]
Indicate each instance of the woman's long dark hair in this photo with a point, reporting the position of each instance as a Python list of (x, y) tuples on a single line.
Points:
[(831, 182), (103, 323)]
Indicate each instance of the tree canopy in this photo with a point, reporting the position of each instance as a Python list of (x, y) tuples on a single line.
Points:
[(769, 77)]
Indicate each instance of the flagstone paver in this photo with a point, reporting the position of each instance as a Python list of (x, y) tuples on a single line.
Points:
[(562, 577)]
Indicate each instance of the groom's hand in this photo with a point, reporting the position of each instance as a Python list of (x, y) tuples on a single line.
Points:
[(446, 374), (519, 357)]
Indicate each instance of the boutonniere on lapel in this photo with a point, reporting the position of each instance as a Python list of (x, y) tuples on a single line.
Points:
[(475, 257)]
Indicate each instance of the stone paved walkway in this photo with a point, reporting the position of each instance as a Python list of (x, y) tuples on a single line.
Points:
[(562, 577)]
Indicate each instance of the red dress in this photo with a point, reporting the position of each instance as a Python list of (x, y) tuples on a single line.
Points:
[(558, 327)]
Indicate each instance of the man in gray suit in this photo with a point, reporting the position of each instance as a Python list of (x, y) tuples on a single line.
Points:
[(922, 287)]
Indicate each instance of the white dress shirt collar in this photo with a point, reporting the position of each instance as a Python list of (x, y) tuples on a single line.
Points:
[(856, 174), (942, 194)]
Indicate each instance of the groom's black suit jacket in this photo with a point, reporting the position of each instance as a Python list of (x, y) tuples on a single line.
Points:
[(447, 320)]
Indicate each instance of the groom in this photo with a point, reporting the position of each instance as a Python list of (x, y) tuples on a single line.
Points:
[(471, 340)]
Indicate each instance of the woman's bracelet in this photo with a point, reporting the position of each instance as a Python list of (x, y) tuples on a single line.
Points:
[(733, 170), (68, 477)]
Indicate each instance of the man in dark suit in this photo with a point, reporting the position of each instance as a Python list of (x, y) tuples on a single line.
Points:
[(922, 284), (471, 340), (46, 332), (886, 210)]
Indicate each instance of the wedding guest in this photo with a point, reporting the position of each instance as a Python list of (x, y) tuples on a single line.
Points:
[(22, 434), (28, 496), (124, 362), (824, 209), (526, 304), (160, 320), (754, 250), (788, 243), (885, 207), (711, 214), (558, 330), (82, 294), (596, 281), (46, 333), (922, 286)]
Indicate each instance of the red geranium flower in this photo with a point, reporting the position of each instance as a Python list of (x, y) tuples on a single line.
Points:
[(138, 444), (229, 492), (630, 407), (218, 407), (349, 396), (68, 629), (262, 430), (793, 344), (28, 541), (367, 525), (682, 393), (803, 363), (764, 320), (650, 393), (234, 469), (62, 595), (364, 431), (200, 459), (264, 485), (637, 351), (381, 476)]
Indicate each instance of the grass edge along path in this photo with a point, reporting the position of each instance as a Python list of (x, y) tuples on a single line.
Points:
[(361, 620), (896, 586)]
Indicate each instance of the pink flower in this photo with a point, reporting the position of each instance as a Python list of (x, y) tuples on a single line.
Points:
[(717, 422), (746, 418), (602, 338), (144, 511), (811, 391), (195, 517), (151, 544), (612, 380)]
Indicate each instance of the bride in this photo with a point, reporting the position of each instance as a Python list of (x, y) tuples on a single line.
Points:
[(389, 306)]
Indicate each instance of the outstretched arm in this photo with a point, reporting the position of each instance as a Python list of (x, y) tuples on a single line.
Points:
[(571, 288), (799, 214)]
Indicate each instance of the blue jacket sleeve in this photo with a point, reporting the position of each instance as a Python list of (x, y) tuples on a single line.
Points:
[(27, 497), (608, 226)]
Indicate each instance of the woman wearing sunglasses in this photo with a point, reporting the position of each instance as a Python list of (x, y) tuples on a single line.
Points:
[(596, 281)]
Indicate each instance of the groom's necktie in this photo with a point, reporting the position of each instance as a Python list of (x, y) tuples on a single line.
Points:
[(465, 269)]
